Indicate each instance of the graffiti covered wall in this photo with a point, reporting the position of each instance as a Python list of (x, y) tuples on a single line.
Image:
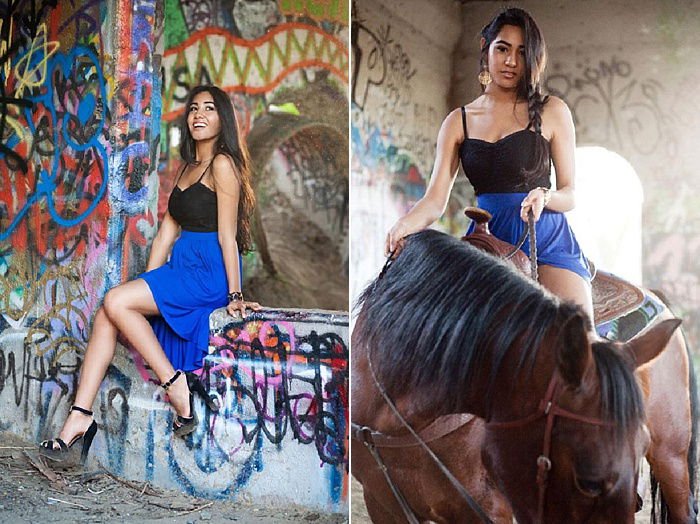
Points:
[(90, 94), (54, 162), (79, 130), (631, 84), (280, 380), (402, 71)]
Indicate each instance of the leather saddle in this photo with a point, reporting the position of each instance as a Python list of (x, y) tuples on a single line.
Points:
[(613, 297)]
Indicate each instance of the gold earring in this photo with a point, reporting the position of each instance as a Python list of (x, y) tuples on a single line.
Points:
[(485, 77)]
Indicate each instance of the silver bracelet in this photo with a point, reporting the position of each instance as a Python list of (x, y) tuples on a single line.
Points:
[(547, 194)]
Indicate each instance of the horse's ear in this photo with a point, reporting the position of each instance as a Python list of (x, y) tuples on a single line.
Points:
[(646, 347), (574, 351)]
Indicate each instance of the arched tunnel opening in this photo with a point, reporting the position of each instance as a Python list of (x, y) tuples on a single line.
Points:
[(300, 225)]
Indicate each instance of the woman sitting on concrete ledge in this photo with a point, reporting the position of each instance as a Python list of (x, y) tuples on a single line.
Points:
[(194, 267)]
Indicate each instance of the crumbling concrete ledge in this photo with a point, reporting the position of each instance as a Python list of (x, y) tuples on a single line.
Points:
[(280, 436)]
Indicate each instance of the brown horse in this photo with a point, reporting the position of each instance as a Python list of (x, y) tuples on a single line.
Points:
[(451, 330)]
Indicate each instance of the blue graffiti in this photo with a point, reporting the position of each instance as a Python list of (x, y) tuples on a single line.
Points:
[(71, 65)]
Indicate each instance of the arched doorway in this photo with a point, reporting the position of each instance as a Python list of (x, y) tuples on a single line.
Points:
[(607, 219)]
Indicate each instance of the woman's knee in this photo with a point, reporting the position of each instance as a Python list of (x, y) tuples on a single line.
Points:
[(101, 319), (567, 285), (114, 302)]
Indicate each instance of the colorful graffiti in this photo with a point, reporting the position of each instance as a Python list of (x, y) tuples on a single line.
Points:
[(386, 185), (136, 109), (320, 10), (280, 381), (54, 161), (251, 67)]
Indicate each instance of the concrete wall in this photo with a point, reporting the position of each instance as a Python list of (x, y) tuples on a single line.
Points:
[(630, 72), (86, 153), (280, 436), (402, 75)]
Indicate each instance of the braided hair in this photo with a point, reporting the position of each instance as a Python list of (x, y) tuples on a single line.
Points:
[(529, 87)]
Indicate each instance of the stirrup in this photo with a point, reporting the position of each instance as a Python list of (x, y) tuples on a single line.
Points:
[(166, 385)]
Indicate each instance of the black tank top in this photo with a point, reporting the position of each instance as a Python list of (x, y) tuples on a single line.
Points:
[(194, 208), (496, 167)]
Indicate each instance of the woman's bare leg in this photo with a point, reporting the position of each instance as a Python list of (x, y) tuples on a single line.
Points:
[(125, 309), (127, 306), (567, 285), (99, 353)]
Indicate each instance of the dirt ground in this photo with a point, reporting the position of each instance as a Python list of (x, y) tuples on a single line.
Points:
[(358, 511), (33, 490)]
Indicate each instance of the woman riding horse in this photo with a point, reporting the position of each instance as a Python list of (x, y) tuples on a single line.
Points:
[(506, 140)]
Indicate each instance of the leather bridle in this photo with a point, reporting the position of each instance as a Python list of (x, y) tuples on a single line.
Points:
[(549, 409)]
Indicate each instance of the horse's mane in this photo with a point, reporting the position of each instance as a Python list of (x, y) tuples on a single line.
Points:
[(444, 309)]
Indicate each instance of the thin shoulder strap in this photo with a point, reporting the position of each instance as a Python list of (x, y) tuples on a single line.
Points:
[(182, 172), (205, 171), (464, 122)]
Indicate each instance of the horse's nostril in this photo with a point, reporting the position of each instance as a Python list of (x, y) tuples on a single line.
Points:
[(591, 487)]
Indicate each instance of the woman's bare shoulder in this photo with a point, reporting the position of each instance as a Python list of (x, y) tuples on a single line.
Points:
[(556, 108)]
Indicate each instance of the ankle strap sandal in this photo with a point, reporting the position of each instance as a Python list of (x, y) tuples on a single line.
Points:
[(81, 410), (64, 451), (166, 385)]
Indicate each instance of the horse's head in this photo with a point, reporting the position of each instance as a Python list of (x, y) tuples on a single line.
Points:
[(597, 436)]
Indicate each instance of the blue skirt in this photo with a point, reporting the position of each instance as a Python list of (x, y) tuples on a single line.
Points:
[(187, 289), (556, 243)]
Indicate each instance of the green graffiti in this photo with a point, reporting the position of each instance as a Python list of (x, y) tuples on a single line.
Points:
[(175, 27), (321, 10)]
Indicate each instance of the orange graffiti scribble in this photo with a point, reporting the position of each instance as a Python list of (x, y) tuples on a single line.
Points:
[(289, 47), (321, 10)]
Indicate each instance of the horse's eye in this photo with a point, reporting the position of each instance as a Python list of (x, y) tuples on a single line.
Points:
[(590, 487)]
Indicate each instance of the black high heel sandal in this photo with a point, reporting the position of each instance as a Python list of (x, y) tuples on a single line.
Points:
[(198, 388), (182, 426), (65, 450)]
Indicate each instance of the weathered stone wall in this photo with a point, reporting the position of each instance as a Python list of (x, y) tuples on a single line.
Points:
[(402, 74), (630, 72)]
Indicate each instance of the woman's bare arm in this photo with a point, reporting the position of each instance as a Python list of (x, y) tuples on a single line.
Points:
[(228, 193), (431, 207), (228, 189), (163, 242)]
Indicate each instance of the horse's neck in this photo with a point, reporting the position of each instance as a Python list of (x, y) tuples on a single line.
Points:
[(370, 408), (515, 394)]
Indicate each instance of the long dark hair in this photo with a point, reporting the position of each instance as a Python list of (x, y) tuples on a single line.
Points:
[(530, 84), (230, 143)]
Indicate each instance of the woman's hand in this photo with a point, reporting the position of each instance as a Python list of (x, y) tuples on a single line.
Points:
[(535, 201), (236, 308), (394, 238)]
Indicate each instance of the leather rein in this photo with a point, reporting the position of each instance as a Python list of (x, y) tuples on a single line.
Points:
[(547, 408)]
